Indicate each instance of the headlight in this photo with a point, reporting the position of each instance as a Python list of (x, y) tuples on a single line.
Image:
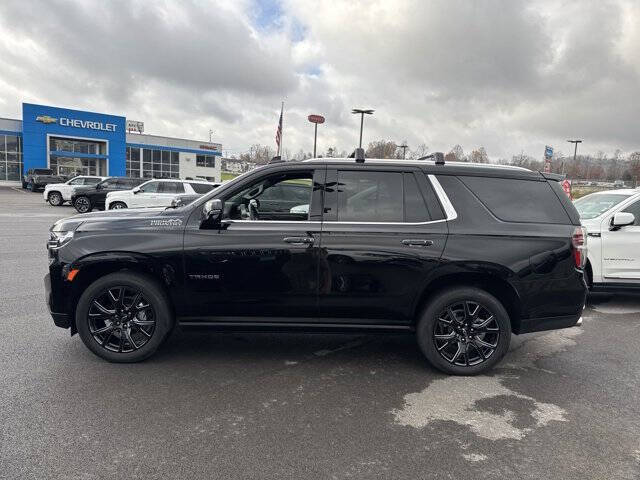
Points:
[(59, 239)]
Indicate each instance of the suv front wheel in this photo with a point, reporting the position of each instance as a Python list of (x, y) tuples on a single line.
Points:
[(464, 331), (123, 317)]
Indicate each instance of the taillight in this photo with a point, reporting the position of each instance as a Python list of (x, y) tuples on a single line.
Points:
[(579, 241)]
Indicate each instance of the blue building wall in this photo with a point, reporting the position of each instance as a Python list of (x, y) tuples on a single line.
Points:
[(38, 121)]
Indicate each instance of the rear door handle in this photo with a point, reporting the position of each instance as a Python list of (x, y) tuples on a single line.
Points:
[(299, 240), (410, 242)]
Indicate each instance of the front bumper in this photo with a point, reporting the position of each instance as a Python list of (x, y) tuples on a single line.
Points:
[(62, 320)]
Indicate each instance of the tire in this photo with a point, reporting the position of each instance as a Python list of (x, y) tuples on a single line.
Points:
[(30, 186), (54, 199), (82, 204), (460, 346), (117, 205), (121, 338), (24, 184)]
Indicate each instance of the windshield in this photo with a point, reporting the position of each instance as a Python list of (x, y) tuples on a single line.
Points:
[(596, 204)]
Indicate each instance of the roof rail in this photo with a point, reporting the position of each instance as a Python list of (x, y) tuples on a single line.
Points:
[(276, 159), (437, 156)]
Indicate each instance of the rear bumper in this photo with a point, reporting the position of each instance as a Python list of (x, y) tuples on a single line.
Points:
[(549, 323)]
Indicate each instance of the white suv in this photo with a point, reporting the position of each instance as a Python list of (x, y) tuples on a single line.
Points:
[(58, 193), (612, 220), (156, 193)]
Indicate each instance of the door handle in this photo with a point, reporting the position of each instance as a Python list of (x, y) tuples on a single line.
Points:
[(299, 240), (409, 242)]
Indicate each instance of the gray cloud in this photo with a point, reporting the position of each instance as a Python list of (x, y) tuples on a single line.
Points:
[(508, 75)]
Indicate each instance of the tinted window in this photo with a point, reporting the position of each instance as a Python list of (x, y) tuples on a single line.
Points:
[(635, 209), (91, 181), (202, 187), (110, 183), (513, 200), (77, 181), (370, 196), (171, 187), (151, 187), (415, 209)]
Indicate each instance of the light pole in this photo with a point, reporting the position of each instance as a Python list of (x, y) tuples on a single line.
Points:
[(315, 119), (362, 113), (404, 149), (575, 151), (210, 133)]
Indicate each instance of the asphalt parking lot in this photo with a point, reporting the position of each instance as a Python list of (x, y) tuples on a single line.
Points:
[(562, 404)]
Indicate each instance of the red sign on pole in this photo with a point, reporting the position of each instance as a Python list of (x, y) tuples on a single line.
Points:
[(566, 186), (316, 118)]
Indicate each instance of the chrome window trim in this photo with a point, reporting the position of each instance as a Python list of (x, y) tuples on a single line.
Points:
[(449, 210)]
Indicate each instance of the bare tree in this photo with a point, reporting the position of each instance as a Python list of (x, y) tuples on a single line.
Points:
[(383, 149), (418, 152)]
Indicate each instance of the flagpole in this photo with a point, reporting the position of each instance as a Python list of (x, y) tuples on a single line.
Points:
[(282, 129)]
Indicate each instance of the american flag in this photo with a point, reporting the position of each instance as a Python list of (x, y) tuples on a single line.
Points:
[(279, 130)]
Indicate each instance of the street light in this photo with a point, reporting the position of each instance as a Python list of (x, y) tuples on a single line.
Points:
[(362, 113), (575, 151), (404, 147)]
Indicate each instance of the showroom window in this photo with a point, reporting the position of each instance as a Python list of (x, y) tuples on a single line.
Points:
[(10, 157), (160, 163), (133, 162), (206, 161)]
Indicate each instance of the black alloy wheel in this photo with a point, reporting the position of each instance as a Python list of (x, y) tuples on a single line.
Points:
[(124, 316), (55, 199), (82, 204), (466, 333), (121, 319)]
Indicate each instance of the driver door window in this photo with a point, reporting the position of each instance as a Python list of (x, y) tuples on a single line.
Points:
[(280, 197)]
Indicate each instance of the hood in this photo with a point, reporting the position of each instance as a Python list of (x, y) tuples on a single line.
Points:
[(123, 219)]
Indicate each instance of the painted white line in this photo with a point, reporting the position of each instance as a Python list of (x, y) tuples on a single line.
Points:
[(18, 189)]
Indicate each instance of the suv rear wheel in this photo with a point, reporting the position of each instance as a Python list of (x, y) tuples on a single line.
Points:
[(55, 199), (82, 204), (464, 331), (123, 317)]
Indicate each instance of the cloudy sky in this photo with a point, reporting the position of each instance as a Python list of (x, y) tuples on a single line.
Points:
[(509, 75)]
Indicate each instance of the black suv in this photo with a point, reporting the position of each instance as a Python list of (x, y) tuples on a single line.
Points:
[(462, 255), (85, 199)]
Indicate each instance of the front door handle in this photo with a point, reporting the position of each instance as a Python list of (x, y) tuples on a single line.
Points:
[(299, 240), (412, 242)]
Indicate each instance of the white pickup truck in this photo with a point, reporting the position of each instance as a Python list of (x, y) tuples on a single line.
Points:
[(612, 221)]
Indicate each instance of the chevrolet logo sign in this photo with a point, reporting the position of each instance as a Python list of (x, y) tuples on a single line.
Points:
[(46, 119)]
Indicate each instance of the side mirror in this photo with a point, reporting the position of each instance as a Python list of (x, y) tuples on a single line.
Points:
[(213, 209), (622, 219), (136, 190)]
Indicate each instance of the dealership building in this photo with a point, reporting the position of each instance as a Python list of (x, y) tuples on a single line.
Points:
[(72, 142)]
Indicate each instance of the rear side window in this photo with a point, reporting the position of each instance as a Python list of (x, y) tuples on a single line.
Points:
[(514, 200), (171, 187), (369, 196), (91, 181), (202, 187), (415, 209)]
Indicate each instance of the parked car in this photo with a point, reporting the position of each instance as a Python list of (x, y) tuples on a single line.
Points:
[(612, 220), (37, 178), (461, 255), (87, 198), (58, 193), (156, 193)]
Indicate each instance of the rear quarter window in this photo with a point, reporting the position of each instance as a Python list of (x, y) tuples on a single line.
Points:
[(515, 200), (202, 187)]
